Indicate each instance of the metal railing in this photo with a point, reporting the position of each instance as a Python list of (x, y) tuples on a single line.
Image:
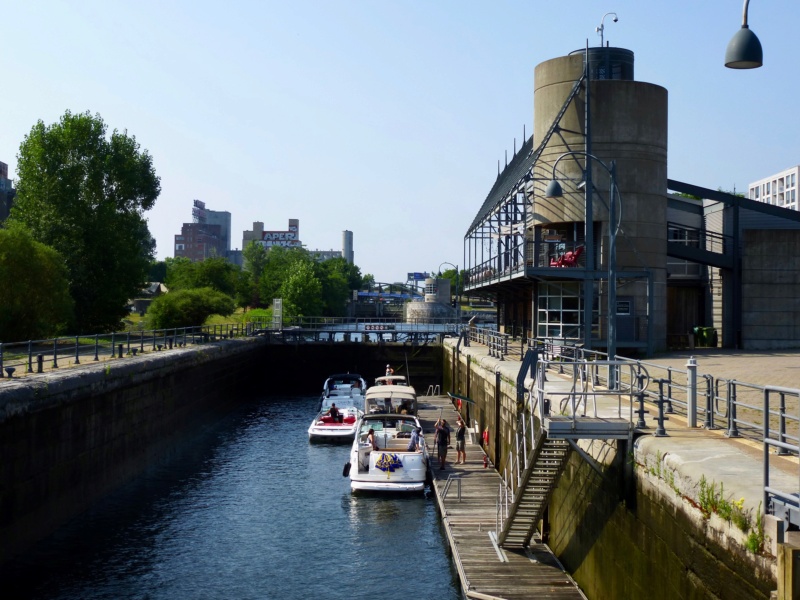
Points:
[(767, 414), (37, 356)]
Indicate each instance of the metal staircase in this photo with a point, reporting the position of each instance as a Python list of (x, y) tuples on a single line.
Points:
[(539, 479)]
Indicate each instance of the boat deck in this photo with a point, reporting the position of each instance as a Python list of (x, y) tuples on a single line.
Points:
[(467, 497)]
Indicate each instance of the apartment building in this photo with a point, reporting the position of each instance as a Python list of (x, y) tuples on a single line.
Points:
[(779, 189)]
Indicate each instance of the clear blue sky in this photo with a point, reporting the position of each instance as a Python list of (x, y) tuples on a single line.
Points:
[(386, 118)]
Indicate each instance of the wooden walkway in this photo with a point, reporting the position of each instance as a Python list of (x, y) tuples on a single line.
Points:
[(485, 570)]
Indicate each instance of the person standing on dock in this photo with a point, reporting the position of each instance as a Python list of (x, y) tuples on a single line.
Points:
[(442, 441), (461, 442)]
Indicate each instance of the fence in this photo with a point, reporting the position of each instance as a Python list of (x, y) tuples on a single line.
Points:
[(36, 356)]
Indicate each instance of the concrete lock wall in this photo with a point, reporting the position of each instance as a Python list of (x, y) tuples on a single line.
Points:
[(625, 534), (69, 437)]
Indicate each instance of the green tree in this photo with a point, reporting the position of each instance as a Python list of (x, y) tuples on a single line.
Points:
[(85, 195), (158, 271), (302, 292), (280, 264), (367, 282), (255, 259), (34, 290), (186, 308)]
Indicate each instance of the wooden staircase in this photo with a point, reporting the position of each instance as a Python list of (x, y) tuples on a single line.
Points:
[(538, 481)]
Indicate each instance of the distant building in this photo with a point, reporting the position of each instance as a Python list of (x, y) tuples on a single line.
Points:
[(347, 246), (7, 192), (199, 241), (209, 234), (779, 189), (288, 239)]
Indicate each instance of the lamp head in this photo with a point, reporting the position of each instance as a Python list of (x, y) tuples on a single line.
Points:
[(553, 190), (744, 50)]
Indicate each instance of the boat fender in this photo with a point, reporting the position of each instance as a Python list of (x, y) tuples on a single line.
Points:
[(346, 469)]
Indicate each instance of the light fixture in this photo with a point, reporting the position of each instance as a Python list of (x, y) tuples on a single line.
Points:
[(553, 190), (744, 50), (601, 27)]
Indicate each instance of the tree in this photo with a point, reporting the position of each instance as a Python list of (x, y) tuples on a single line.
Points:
[(85, 195), (302, 292), (187, 308), (280, 264), (34, 290)]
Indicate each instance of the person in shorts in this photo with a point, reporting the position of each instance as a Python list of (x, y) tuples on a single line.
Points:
[(461, 442)]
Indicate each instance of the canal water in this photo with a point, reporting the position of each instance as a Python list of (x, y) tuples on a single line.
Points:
[(248, 509)]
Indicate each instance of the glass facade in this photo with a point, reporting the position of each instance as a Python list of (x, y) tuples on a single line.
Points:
[(559, 311)]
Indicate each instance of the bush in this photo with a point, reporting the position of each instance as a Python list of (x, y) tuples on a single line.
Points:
[(187, 308)]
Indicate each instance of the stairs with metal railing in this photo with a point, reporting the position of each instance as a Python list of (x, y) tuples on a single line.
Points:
[(536, 487)]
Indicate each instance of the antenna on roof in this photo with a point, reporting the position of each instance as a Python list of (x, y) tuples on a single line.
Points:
[(515, 146), (498, 168), (524, 135), (506, 158)]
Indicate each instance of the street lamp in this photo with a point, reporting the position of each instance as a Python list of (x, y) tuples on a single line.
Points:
[(458, 297), (744, 49), (554, 190)]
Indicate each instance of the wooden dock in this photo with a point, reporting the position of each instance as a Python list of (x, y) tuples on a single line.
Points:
[(467, 496)]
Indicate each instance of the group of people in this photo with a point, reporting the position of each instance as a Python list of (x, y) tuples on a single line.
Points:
[(442, 438)]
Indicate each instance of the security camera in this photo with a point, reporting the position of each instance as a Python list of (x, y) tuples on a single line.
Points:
[(615, 19)]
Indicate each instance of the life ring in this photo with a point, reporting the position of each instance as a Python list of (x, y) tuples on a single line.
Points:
[(486, 436)]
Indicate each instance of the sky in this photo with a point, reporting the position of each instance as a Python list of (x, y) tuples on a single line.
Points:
[(385, 118)]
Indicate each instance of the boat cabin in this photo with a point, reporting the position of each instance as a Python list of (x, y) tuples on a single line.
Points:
[(391, 380), (391, 399)]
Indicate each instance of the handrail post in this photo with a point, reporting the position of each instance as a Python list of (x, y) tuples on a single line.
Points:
[(691, 393), (77, 358), (55, 353), (96, 346), (781, 423), (112, 345), (709, 423), (30, 357), (640, 423), (660, 431), (733, 428)]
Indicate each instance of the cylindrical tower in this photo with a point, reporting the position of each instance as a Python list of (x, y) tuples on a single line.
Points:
[(347, 246), (627, 124)]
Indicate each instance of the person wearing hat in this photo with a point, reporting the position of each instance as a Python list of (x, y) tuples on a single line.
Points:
[(389, 370)]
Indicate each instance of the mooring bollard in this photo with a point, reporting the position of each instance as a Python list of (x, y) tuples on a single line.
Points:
[(10, 371), (40, 363), (121, 346), (135, 351)]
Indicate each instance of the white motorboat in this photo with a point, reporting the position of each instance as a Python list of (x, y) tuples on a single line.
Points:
[(388, 466), (345, 393)]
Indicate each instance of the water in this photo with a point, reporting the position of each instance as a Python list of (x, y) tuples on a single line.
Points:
[(250, 509)]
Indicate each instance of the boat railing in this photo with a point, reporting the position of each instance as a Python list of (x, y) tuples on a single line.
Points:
[(434, 390)]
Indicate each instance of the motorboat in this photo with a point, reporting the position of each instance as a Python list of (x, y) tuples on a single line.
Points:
[(345, 393), (388, 466), (345, 384)]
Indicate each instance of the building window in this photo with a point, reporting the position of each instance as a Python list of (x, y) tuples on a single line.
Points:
[(559, 311)]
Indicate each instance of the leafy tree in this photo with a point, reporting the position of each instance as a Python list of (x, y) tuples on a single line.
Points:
[(247, 288), (367, 282), (181, 273), (280, 264), (158, 271), (302, 292), (186, 308), (337, 277), (255, 259), (34, 290), (85, 195)]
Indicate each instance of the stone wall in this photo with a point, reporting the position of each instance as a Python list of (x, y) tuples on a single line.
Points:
[(627, 533), (70, 436)]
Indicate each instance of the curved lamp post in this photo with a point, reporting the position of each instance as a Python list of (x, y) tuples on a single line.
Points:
[(554, 190), (744, 49), (458, 297), (601, 27)]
